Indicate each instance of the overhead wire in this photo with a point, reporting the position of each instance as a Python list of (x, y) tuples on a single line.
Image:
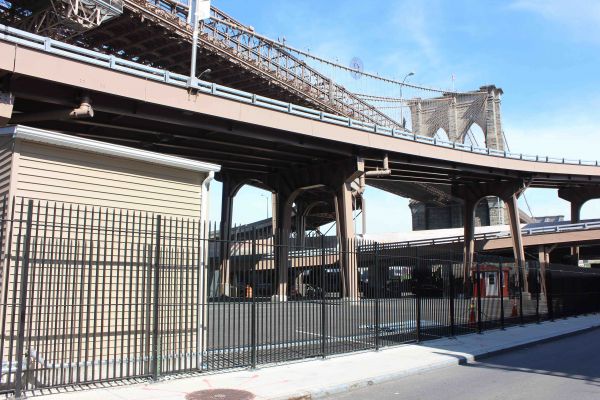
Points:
[(524, 196)]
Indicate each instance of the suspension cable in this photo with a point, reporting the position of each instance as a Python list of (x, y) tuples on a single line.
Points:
[(329, 62), (524, 196)]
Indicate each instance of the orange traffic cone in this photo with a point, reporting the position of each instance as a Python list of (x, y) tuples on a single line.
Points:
[(472, 318), (514, 312)]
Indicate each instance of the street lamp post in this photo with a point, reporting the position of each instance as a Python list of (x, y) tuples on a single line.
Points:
[(199, 10), (268, 201), (401, 103)]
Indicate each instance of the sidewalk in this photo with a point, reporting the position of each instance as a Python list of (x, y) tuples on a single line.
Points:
[(317, 378)]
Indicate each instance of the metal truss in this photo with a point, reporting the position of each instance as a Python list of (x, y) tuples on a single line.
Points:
[(65, 18), (265, 58)]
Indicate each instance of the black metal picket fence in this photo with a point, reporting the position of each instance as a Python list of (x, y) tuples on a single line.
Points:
[(93, 295)]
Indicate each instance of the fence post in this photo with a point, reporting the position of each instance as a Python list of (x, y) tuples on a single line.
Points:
[(452, 317), (377, 277), (478, 283), (323, 302), (155, 310), (254, 293), (501, 283), (538, 289), (521, 271), (23, 303), (416, 277), (549, 299)]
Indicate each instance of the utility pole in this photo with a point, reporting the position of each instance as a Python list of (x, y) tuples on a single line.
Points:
[(199, 10)]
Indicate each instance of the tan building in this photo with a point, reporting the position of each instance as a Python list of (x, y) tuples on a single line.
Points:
[(92, 264), (47, 165)]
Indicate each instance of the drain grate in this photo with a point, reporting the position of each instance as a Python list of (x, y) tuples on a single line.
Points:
[(220, 394)]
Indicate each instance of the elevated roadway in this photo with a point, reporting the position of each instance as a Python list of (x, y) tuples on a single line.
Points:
[(286, 148), (154, 108), (545, 236)]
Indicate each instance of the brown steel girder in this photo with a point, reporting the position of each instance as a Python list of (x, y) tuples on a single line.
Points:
[(148, 123)]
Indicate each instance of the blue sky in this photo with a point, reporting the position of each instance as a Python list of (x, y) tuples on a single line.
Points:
[(544, 54)]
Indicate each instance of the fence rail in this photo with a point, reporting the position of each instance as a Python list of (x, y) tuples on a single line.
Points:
[(94, 295)]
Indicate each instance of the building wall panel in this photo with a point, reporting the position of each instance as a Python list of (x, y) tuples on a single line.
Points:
[(67, 175)]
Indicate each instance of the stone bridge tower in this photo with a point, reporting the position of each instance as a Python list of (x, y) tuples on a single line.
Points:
[(456, 113)]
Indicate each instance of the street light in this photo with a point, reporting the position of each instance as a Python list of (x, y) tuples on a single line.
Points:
[(204, 73), (268, 201), (199, 10), (401, 103)]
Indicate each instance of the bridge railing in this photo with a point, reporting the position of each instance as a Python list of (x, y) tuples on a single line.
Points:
[(502, 234), (55, 47)]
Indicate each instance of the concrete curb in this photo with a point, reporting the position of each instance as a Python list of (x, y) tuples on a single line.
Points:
[(532, 343), (351, 371), (349, 386), (459, 359)]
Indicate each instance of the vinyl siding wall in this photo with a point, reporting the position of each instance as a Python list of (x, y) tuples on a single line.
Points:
[(6, 158), (6, 155), (68, 175), (119, 245)]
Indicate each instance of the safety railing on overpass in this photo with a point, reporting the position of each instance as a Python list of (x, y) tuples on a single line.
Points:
[(55, 47), (502, 234)]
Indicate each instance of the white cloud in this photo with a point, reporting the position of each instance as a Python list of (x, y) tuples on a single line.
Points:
[(570, 128), (571, 142), (580, 17), (415, 19)]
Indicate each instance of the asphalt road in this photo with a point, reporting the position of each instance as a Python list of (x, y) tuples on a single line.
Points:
[(564, 369)]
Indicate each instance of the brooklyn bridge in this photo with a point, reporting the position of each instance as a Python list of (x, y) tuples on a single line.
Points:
[(116, 115)]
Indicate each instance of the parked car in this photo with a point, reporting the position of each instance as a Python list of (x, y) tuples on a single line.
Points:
[(306, 291), (427, 290)]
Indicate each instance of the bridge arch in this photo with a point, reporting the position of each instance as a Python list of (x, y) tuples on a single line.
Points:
[(255, 182), (590, 209), (251, 204), (442, 135), (475, 136)]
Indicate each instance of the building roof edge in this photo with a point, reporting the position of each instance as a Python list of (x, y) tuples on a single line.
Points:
[(73, 142)]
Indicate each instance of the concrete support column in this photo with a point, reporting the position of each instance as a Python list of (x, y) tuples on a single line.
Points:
[(301, 212), (274, 202), (282, 241), (348, 262), (469, 233), (288, 185), (225, 229), (517, 238), (508, 192), (578, 196), (363, 213), (544, 259), (575, 218)]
